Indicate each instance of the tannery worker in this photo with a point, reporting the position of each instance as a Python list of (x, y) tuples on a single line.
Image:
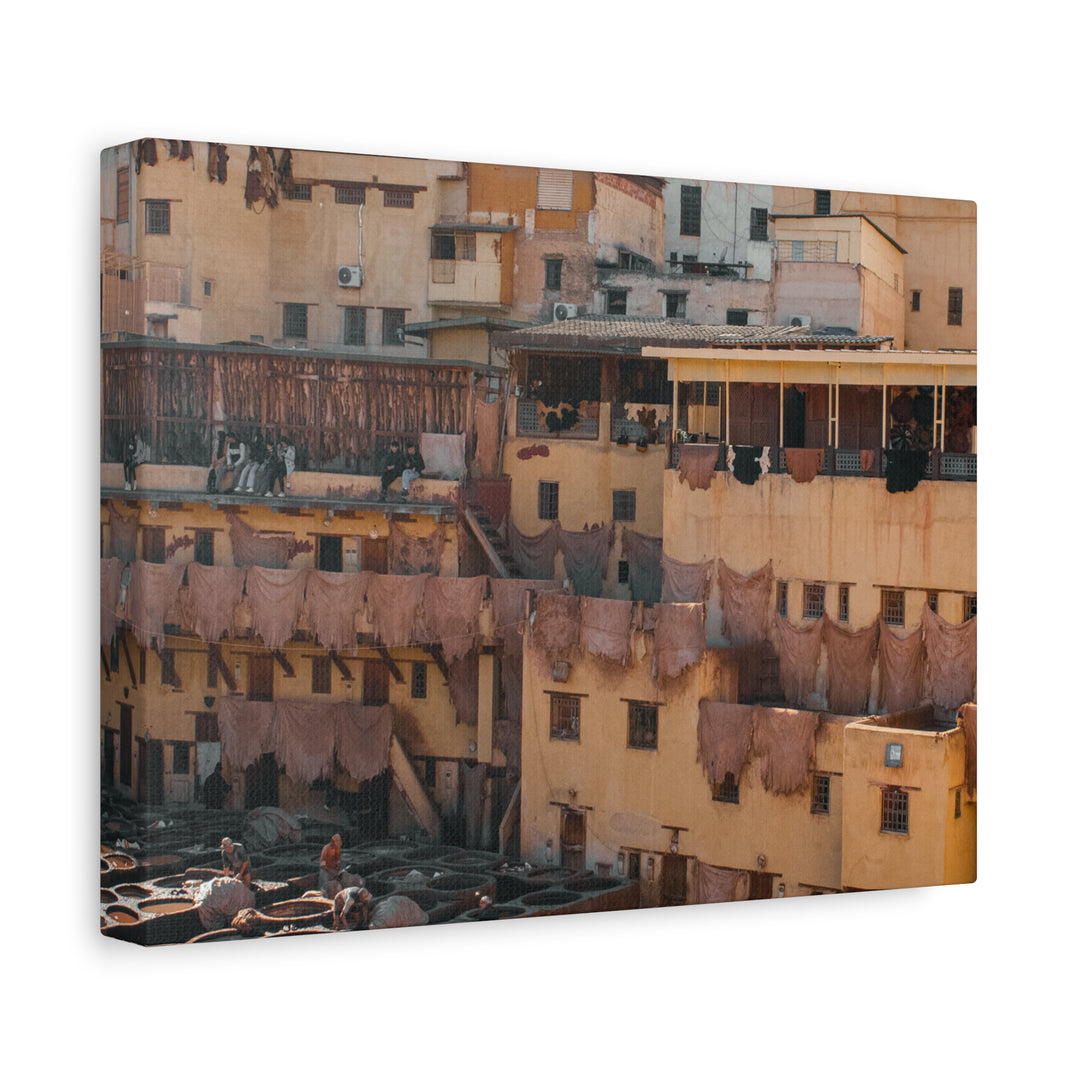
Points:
[(330, 867), (351, 908), (215, 788), (234, 861)]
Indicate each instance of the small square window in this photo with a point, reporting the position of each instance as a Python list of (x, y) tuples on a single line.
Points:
[(565, 717), (797, 249), (329, 554), (969, 607), (690, 210), (393, 323), (894, 810), (348, 194), (623, 505), (819, 803), (624, 572), (956, 307), (822, 202), (643, 725), (418, 682), (916, 299), (781, 599), (615, 301), (727, 790), (400, 199), (843, 603), (759, 223), (294, 321), (298, 192), (158, 217), (320, 674), (737, 317), (547, 501), (442, 245), (553, 274), (675, 305), (892, 606), (355, 326), (813, 602)]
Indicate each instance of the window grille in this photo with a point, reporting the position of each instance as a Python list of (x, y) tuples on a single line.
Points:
[(822, 202), (565, 717), (813, 600), (759, 223), (932, 600), (320, 674), (294, 321), (355, 326), (781, 599), (624, 572), (892, 606), (820, 800), (727, 790), (643, 725), (969, 607), (547, 507), (401, 199), (298, 192), (418, 687), (690, 211), (894, 810), (350, 194), (916, 299), (157, 217), (123, 190), (737, 317), (956, 307), (553, 274), (623, 505), (393, 320), (843, 603)]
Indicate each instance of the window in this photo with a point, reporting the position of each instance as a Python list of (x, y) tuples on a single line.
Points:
[(298, 192), (623, 505), (418, 683), (565, 717), (894, 810), (624, 572), (355, 326), (643, 723), (329, 553), (123, 194), (892, 606), (727, 790), (630, 260), (260, 686), (294, 321), (932, 600), (956, 307), (737, 317), (553, 274), (615, 301), (204, 547), (153, 543), (349, 194), (690, 211), (813, 600), (969, 607), (393, 321), (819, 801), (450, 246), (916, 299), (781, 599), (956, 803), (675, 305), (797, 250), (442, 245), (181, 757), (320, 674), (633, 865), (822, 202), (206, 288), (401, 199), (157, 216), (376, 682), (759, 223), (547, 500), (554, 189), (843, 604), (158, 326), (206, 727)]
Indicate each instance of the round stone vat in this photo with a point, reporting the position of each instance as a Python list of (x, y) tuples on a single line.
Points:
[(551, 875), (512, 886), (495, 912), (132, 892), (154, 866), (399, 876), (176, 881), (121, 867), (438, 851), (593, 884), (465, 860), (122, 915), (551, 899), (291, 914), (462, 886), (108, 896), (227, 933), (166, 905)]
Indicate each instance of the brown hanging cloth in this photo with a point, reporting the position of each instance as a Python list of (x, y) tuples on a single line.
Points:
[(111, 569), (303, 739), (724, 734), (901, 670), (851, 663), (798, 650), (679, 638), (586, 557), (451, 613), (745, 599), (362, 738), (331, 601), (252, 548), (213, 593), (123, 533), (393, 607), (508, 608), (534, 556), (950, 656), (644, 554), (246, 730), (967, 722), (153, 600), (685, 583), (605, 628), (784, 745), (276, 598), (557, 626)]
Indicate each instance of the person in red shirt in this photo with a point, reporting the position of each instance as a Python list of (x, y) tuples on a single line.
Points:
[(330, 867)]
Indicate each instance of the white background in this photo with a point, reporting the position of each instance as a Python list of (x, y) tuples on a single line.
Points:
[(919, 99)]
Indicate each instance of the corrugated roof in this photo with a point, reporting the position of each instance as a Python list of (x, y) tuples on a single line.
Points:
[(616, 332)]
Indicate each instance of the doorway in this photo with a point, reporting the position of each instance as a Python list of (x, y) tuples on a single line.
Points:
[(572, 839)]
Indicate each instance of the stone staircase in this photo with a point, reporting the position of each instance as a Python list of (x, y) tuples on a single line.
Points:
[(492, 540)]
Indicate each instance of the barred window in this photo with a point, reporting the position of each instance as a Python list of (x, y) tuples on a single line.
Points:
[(393, 320), (813, 604), (204, 547), (843, 605), (822, 202), (727, 790), (294, 321), (894, 810), (956, 306), (565, 717), (675, 305), (349, 194), (553, 274), (158, 219), (781, 599), (892, 606), (320, 674), (643, 725), (759, 223), (615, 301), (623, 505), (819, 803), (916, 299), (969, 607), (547, 500), (298, 192), (418, 683), (932, 600), (123, 190), (737, 317), (401, 199), (355, 326), (690, 210)]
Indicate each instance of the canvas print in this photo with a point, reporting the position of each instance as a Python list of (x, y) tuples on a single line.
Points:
[(484, 542)]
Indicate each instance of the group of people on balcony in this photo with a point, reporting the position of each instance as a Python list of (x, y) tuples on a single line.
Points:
[(255, 470)]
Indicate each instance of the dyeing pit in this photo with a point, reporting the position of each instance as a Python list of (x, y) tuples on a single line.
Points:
[(509, 887), (176, 881), (466, 859), (462, 886), (594, 884), (551, 898), (546, 875), (155, 865), (124, 916), (108, 896), (169, 906), (131, 891), (502, 911), (398, 876)]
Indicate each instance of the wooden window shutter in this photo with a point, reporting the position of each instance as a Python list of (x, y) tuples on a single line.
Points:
[(555, 189)]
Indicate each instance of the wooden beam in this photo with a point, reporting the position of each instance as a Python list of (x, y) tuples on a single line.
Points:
[(216, 658), (283, 660), (434, 650), (341, 666), (127, 656), (384, 652), (105, 664)]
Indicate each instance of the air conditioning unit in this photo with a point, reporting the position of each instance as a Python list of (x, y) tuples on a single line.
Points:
[(350, 277), (797, 320), (563, 312)]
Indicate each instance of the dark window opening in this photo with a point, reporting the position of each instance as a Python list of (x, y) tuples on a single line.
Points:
[(759, 223), (260, 686), (298, 192), (548, 500), (675, 305), (843, 606), (123, 195), (615, 301), (892, 606), (643, 725), (932, 600), (393, 321), (781, 598), (330, 555), (418, 682), (294, 323), (623, 505), (320, 674), (553, 274), (206, 727), (969, 608), (956, 307), (894, 810), (813, 606), (727, 790), (349, 194), (624, 572), (153, 544), (355, 326), (565, 717), (737, 317), (690, 211), (820, 799), (823, 202), (400, 199), (158, 218), (376, 682), (633, 865), (916, 299), (204, 547)]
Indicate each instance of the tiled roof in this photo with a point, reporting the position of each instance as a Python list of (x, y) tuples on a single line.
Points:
[(614, 332)]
